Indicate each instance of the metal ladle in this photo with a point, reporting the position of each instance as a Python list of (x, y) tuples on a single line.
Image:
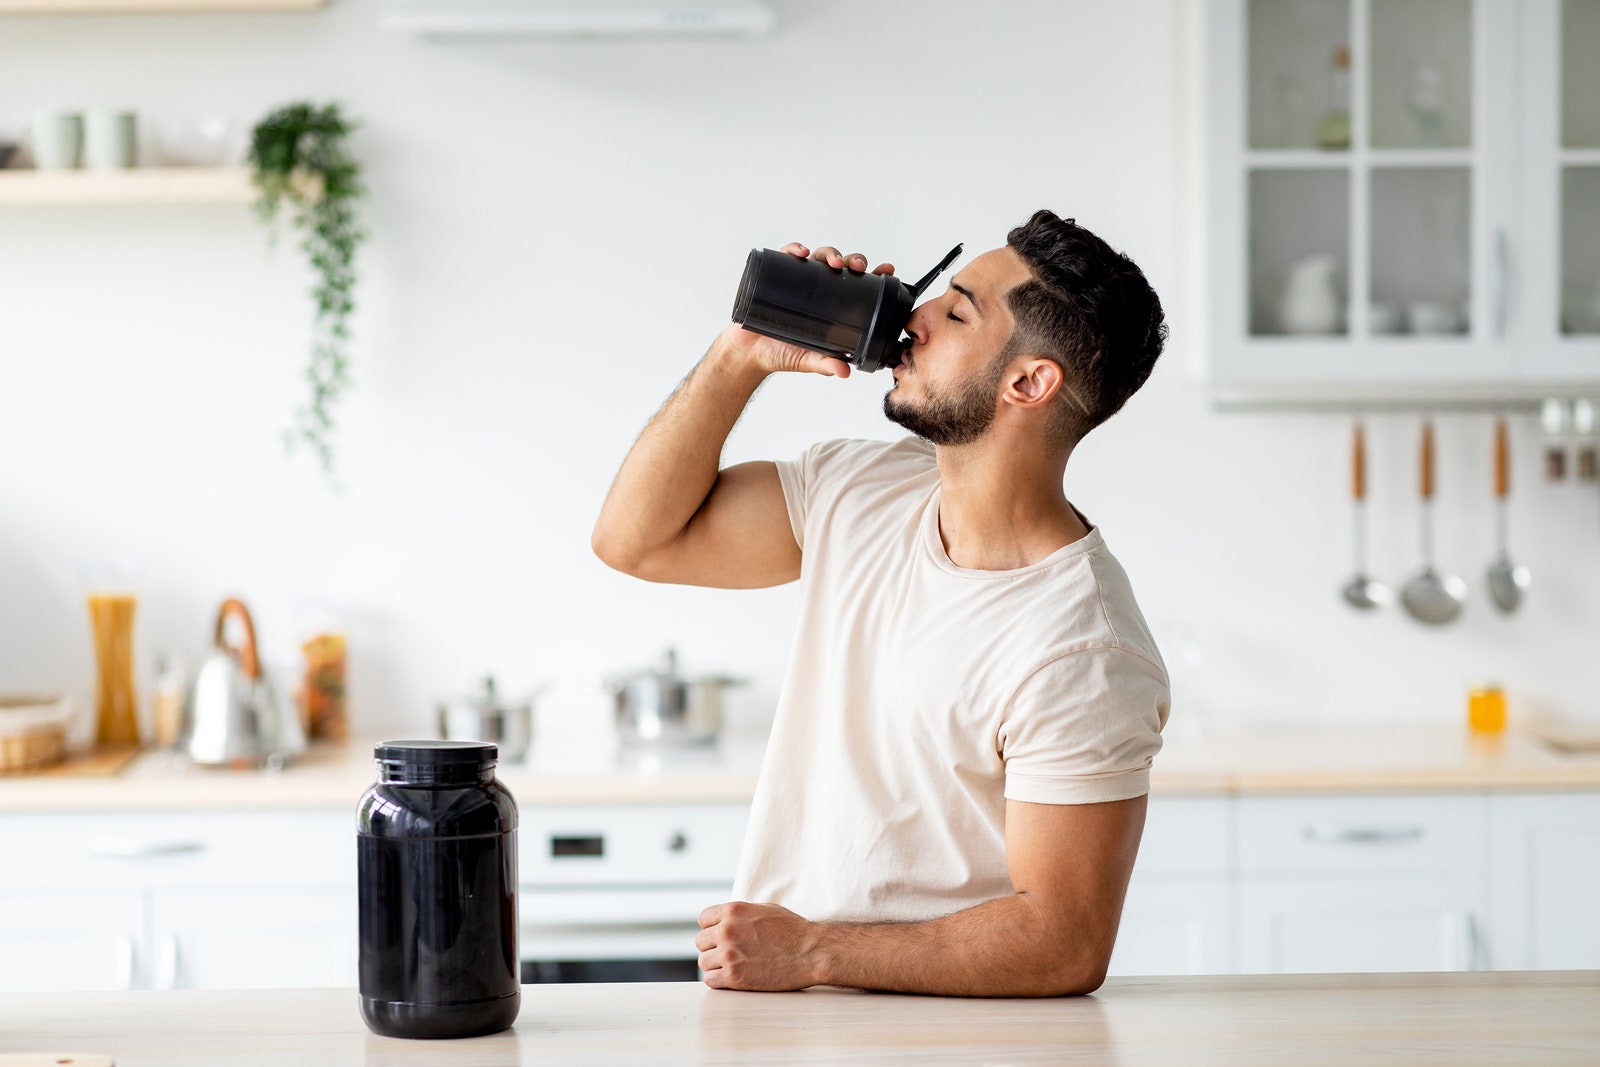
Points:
[(1362, 592), (1431, 597), (1507, 582)]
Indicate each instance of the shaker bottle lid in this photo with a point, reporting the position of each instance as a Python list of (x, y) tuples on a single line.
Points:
[(437, 753)]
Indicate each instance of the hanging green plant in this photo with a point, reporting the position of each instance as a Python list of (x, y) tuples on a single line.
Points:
[(299, 158)]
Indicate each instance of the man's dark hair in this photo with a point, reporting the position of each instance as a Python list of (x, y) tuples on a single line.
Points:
[(1089, 309)]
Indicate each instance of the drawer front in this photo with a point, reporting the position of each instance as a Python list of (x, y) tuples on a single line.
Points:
[(1362, 834), (1185, 836), (668, 845), (153, 850)]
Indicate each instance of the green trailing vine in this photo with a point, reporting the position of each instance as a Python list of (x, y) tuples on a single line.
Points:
[(299, 159)]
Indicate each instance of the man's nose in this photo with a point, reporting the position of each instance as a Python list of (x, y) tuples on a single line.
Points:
[(916, 325)]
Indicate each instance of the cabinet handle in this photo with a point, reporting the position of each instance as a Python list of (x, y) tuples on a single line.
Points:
[(172, 962), (127, 962), (1362, 835), (1502, 282), (124, 849), (1469, 956), (677, 842)]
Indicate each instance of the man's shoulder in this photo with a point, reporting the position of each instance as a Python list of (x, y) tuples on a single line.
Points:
[(860, 450), (856, 461)]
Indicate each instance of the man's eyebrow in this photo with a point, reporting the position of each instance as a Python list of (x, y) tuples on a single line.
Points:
[(964, 291)]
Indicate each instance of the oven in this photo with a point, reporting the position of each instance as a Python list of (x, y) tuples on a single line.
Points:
[(614, 893)]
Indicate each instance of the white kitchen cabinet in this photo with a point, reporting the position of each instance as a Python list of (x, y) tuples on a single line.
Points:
[(295, 937), (72, 941), (1181, 926), (178, 900), (1326, 924), (1362, 883), (1176, 916), (1546, 881), (1442, 240)]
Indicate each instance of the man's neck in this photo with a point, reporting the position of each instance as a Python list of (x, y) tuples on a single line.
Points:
[(1001, 507)]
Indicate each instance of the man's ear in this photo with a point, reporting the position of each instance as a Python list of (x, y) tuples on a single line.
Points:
[(1034, 383)]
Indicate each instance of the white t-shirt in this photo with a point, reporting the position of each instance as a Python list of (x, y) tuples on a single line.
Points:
[(920, 696)]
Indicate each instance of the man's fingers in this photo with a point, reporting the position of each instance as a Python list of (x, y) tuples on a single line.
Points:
[(829, 255), (856, 262), (795, 248), (706, 941), (883, 268), (711, 916)]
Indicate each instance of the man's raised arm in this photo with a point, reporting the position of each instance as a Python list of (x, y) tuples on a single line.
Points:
[(671, 514)]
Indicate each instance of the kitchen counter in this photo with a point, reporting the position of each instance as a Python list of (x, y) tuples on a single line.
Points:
[(1353, 759), (1523, 1018), (335, 776)]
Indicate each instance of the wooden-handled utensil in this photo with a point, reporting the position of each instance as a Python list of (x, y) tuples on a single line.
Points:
[(1361, 592), (1431, 597), (1507, 581)]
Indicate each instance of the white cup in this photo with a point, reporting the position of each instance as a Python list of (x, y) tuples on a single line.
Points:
[(1432, 316), (56, 140), (110, 138), (1384, 318)]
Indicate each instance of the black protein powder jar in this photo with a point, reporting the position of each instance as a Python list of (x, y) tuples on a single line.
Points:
[(436, 844)]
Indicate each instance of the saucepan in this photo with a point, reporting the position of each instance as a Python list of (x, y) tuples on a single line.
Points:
[(660, 707)]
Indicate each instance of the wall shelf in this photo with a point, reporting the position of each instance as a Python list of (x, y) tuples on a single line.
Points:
[(123, 7), (143, 185)]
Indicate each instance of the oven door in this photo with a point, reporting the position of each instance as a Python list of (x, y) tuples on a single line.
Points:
[(607, 934)]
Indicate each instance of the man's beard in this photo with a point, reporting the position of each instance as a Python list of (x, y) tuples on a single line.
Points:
[(949, 419)]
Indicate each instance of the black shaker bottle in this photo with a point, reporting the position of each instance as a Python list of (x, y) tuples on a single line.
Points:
[(436, 841), (856, 317)]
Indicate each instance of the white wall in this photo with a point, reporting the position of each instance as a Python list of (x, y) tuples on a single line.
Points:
[(557, 232)]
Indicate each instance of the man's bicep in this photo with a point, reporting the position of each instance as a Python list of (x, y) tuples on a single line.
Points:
[(1074, 861), (741, 538)]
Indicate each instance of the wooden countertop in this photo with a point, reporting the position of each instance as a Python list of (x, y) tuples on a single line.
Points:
[(1354, 759), (1506, 1017)]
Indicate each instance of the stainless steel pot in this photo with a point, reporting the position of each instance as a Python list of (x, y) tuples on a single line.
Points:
[(660, 707), (481, 717)]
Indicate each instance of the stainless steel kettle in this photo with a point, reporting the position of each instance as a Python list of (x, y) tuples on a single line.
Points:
[(232, 714)]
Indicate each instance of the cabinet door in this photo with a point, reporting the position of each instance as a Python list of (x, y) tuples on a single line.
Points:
[(1173, 926), (1546, 863), (71, 942), (233, 939), (1559, 267), (1361, 167), (1415, 923)]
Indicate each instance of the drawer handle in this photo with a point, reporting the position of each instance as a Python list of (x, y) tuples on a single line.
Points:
[(123, 849), (678, 842), (1362, 835)]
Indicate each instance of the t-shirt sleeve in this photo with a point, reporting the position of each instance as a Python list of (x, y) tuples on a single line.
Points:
[(795, 477), (1084, 728), (808, 477)]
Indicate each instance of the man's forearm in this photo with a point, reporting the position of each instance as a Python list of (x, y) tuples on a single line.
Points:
[(671, 468), (1005, 947)]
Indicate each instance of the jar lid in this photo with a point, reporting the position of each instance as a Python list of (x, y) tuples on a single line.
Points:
[(438, 753)]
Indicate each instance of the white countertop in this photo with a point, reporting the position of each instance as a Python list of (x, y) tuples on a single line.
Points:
[(1459, 1019), (1353, 759)]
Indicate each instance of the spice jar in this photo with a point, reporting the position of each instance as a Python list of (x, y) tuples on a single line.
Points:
[(1486, 708), (437, 873)]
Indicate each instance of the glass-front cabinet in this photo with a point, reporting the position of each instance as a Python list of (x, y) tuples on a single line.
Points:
[(1404, 198)]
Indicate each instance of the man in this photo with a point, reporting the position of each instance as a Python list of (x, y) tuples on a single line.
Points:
[(955, 785)]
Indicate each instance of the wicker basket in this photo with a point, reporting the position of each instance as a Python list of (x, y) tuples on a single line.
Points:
[(33, 731)]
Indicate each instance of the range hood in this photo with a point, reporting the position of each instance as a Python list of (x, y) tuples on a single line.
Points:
[(580, 18)]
